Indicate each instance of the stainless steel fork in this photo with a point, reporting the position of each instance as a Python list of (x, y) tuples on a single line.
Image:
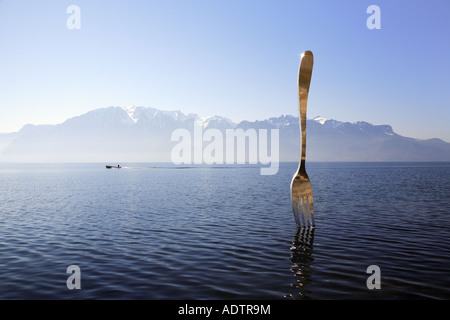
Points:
[(301, 191)]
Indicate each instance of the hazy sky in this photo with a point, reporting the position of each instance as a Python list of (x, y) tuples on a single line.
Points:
[(238, 59)]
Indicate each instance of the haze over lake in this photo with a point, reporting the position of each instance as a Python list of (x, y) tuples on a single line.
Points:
[(144, 134)]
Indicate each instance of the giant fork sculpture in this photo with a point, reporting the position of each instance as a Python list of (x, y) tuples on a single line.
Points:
[(301, 191)]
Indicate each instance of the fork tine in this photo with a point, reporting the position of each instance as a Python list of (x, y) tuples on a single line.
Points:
[(295, 209), (305, 221), (310, 224), (311, 210), (303, 206), (300, 213)]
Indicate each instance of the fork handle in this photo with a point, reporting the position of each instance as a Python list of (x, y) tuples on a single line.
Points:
[(304, 80)]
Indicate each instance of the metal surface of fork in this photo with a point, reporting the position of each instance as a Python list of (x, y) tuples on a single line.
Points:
[(301, 190)]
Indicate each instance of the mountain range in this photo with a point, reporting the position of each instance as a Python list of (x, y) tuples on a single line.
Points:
[(143, 134)]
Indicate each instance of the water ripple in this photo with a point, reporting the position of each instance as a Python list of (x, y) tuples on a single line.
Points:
[(226, 233)]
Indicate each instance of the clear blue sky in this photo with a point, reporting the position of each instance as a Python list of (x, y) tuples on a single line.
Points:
[(238, 59)]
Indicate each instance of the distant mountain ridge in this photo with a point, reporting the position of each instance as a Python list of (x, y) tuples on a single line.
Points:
[(143, 134)]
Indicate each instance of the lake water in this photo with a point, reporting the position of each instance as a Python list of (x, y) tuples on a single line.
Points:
[(160, 232)]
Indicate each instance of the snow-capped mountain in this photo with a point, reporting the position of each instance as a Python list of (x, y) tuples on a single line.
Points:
[(143, 134), (218, 122), (139, 113), (320, 119)]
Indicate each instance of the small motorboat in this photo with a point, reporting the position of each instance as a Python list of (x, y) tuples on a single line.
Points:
[(113, 167)]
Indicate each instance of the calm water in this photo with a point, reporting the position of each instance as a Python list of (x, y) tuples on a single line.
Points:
[(223, 233)]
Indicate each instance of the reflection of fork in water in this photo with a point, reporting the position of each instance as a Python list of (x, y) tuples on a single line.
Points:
[(301, 250)]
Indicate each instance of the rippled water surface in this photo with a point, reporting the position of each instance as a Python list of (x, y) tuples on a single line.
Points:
[(223, 233)]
